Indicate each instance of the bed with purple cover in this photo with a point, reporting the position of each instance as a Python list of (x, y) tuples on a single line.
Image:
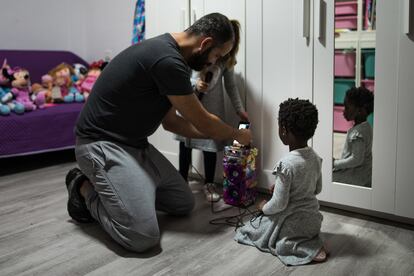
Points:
[(43, 130)]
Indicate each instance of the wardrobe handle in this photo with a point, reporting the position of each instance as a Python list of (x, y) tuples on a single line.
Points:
[(183, 15), (306, 19), (321, 28), (406, 17), (193, 16)]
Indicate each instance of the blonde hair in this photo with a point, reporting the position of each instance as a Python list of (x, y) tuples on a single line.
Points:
[(230, 60), (60, 67)]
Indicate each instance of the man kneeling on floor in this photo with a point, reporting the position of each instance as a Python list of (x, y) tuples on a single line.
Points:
[(123, 179)]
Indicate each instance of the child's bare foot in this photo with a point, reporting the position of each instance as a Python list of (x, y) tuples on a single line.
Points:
[(321, 256)]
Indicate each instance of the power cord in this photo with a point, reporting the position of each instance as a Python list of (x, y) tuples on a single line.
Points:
[(235, 220)]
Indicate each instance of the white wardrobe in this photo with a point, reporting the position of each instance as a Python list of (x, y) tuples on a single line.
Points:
[(288, 51)]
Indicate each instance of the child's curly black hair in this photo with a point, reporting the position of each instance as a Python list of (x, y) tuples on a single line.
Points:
[(299, 117), (361, 97)]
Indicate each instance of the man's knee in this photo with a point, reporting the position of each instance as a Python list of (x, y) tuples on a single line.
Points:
[(136, 233), (185, 207), (138, 242), (142, 244)]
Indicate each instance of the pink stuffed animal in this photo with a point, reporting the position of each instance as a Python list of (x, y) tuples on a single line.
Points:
[(21, 90), (94, 71), (7, 102)]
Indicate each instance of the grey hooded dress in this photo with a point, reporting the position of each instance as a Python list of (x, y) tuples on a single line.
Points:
[(290, 226)]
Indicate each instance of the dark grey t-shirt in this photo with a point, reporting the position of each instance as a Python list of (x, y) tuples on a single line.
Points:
[(128, 101)]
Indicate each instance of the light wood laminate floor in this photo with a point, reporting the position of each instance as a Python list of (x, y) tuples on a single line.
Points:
[(37, 237)]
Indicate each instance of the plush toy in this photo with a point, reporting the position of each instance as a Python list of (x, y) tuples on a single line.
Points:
[(94, 71), (74, 96), (21, 88), (44, 89), (38, 95), (47, 84), (4, 89), (7, 102), (4, 82), (4, 108), (80, 72), (78, 77), (62, 82)]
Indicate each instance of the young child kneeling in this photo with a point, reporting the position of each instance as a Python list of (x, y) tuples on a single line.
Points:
[(290, 224)]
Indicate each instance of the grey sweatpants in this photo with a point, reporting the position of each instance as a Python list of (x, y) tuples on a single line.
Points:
[(129, 185)]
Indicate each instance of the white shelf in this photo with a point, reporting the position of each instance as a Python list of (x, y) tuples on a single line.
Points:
[(366, 39), (357, 40)]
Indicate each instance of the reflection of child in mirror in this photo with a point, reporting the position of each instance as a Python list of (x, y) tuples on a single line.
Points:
[(290, 223), (355, 165)]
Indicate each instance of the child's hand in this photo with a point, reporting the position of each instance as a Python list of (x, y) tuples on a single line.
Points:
[(243, 116), (201, 86), (261, 204)]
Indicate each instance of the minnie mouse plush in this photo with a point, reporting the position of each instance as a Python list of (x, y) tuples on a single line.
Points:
[(21, 88), (20, 81)]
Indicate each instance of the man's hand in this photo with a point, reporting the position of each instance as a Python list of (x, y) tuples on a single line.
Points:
[(209, 124), (243, 136)]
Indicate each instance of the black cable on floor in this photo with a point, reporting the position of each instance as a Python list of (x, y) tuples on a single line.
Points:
[(235, 220)]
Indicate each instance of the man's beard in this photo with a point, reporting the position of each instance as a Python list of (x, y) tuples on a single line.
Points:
[(199, 60)]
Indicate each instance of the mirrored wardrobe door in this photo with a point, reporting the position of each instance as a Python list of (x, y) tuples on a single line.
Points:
[(353, 33), (354, 85), (364, 105)]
